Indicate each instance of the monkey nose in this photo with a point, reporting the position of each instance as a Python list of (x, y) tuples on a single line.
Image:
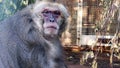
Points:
[(52, 20)]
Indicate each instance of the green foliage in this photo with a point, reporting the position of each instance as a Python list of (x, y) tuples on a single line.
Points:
[(31, 1), (0, 1), (9, 7)]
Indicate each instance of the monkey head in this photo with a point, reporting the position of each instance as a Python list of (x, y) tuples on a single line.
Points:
[(53, 15)]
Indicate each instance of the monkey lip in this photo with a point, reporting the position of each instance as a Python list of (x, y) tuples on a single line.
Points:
[(52, 27)]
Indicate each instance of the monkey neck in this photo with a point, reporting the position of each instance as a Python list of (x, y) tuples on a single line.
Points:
[(51, 37)]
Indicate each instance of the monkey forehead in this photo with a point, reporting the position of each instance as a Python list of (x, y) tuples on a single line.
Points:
[(50, 9), (39, 7)]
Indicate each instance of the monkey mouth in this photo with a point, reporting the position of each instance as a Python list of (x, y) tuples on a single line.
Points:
[(52, 27)]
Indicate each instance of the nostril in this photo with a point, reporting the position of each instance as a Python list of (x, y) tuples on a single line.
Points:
[(51, 20)]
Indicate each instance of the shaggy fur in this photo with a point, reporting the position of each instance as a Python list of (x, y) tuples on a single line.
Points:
[(23, 44)]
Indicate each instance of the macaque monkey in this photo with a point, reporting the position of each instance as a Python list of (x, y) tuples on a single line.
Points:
[(30, 38)]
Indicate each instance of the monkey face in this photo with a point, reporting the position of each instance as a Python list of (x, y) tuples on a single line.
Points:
[(51, 19), (54, 17)]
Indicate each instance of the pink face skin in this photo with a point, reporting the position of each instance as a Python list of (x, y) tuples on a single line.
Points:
[(50, 24), (47, 13)]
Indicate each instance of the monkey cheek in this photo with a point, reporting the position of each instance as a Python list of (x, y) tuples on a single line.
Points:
[(50, 31)]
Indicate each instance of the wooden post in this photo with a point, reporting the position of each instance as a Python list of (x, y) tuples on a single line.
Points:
[(79, 22)]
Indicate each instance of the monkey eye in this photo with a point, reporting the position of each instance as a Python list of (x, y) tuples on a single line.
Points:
[(46, 12), (57, 12)]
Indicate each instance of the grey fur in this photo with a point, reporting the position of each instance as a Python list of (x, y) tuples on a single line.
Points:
[(23, 44)]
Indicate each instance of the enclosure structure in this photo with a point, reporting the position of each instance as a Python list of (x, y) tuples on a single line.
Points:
[(87, 19)]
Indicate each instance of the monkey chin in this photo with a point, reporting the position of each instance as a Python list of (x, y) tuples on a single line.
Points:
[(51, 32)]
